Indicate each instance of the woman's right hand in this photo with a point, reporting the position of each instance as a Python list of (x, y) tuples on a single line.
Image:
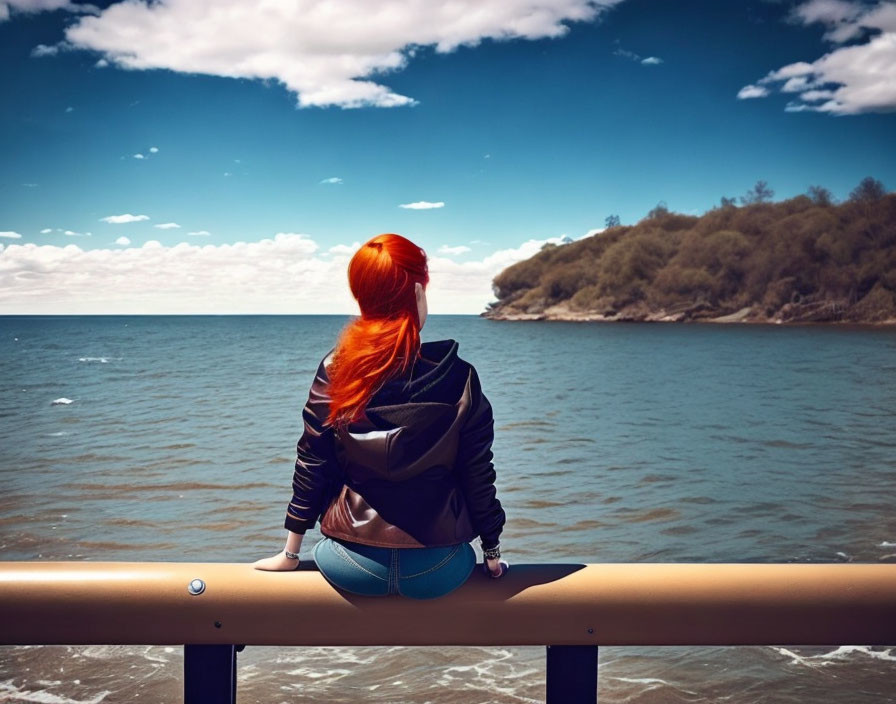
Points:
[(496, 568), (278, 563)]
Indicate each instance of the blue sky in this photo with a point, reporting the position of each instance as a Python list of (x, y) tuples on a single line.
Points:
[(303, 135)]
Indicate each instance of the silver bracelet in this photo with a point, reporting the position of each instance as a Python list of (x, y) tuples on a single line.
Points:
[(291, 555), (492, 553)]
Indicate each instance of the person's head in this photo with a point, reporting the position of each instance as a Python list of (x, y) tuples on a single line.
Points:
[(388, 276)]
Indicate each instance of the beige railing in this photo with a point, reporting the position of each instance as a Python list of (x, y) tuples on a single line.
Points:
[(557, 605)]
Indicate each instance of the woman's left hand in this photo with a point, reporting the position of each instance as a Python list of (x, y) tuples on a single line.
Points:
[(278, 563)]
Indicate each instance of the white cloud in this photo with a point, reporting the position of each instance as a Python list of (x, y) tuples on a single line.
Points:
[(849, 79), (46, 231), (344, 249), (652, 61), (10, 235), (123, 241), (153, 150), (459, 249), (44, 50), (120, 219), (752, 92), (332, 179), (139, 156), (324, 53), (167, 226), (244, 277), (72, 233), (200, 233), (422, 205), (102, 63)]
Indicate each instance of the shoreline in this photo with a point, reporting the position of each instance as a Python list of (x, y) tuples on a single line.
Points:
[(741, 317)]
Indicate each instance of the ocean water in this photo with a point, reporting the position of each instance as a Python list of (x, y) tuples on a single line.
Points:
[(173, 438)]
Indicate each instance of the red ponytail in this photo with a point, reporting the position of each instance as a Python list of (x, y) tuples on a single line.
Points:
[(385, 341)]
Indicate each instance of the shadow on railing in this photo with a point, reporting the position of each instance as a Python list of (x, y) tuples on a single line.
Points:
[(215, 609)]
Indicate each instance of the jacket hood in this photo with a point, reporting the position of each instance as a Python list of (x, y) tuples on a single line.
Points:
[(411, 423), (436, 362)]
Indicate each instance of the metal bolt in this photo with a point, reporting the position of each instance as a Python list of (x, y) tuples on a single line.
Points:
[(217, 624), (590, 630), (197, 586)]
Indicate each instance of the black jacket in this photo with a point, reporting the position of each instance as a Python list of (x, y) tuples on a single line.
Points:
[(415, 471)]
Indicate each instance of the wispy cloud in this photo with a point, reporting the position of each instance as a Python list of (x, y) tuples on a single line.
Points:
[(752, 91), (422, 205), (46, 231), (123, 241), (139, 156), (10, 235), (44, 50), (849, 80), (153, 150), (453, 251), (72, 233), (122, 219), (11, 7), (200, 233), (633, 56), (167, 226), (332, 180), (336, 52)]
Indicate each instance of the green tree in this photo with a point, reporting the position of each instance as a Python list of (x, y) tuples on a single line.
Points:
[(612, 221)]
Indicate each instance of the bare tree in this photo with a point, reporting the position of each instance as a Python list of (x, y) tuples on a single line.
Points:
[(612, 221), (659, 210), (820, 196), (760, 193), (869, 189)]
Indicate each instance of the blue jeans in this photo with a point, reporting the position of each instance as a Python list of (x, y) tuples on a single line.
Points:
[(419, 573)]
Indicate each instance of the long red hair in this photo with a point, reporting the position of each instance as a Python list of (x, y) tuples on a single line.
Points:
[(384, 341)]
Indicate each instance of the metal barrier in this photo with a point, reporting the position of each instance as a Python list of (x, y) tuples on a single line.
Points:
[(215, 609)]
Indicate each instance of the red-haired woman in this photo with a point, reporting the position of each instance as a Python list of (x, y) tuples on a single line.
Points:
[(395, 459)]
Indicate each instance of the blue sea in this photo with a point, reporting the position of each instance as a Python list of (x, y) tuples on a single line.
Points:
[(173, 438)]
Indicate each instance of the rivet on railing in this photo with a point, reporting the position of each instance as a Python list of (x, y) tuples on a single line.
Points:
[(197, 586)]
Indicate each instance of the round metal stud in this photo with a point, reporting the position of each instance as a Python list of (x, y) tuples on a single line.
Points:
[(197, 586)]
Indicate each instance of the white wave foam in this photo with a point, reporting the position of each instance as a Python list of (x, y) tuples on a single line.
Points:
[(58, 435), (62, 401), (8, 689), (839, 654), (101, 360), (641, 680), (887, 544)]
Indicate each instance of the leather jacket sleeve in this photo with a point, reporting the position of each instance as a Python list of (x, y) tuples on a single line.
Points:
[(475, 469), (317, 469)]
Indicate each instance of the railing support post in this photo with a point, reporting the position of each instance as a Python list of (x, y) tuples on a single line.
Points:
[(210, 674), (571, 674)]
